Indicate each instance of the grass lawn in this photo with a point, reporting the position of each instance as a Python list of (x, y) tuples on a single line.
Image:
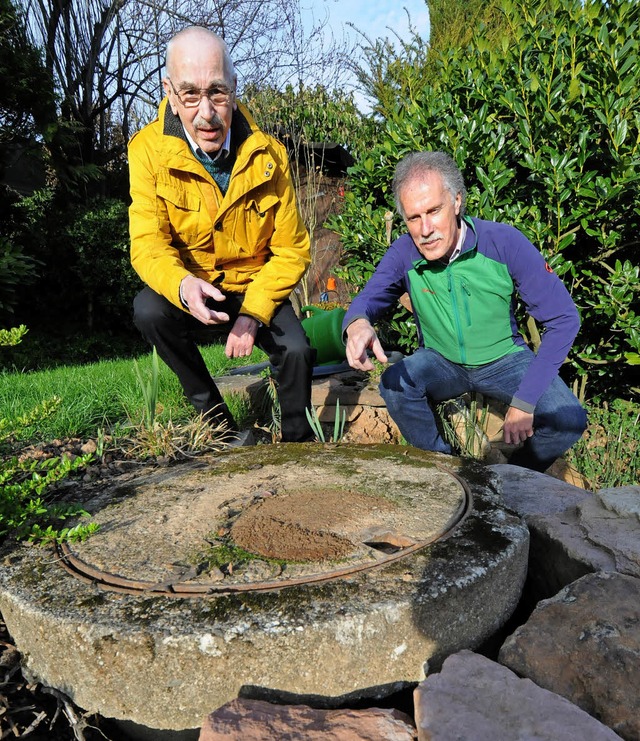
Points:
[(101, 395)]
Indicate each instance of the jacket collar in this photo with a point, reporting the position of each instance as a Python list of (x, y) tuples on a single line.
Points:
[(471, 240)]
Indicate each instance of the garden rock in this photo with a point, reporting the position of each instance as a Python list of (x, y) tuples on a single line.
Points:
[(256, 720), (364, 424), (528, 492), (366, 416), (476, 698), (599, 534), (573, 532), (584, 644), (625, 500)]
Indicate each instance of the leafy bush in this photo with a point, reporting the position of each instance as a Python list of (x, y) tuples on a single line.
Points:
[(546, 128), (99, 234), (608, 455), (303, 115), (84, 275), (16, 271)]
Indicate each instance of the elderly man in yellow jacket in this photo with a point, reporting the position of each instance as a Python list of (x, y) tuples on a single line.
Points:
[(216, 233)]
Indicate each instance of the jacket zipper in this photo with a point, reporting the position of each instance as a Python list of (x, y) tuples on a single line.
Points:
[(456, 316), (465, 301)]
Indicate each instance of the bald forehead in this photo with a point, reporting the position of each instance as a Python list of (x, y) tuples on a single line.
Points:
[(198, 47)]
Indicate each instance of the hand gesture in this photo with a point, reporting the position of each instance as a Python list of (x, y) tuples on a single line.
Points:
[(361, 336), (195, 292)]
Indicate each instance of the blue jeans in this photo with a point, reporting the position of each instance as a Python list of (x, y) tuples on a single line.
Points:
[(411, 386)]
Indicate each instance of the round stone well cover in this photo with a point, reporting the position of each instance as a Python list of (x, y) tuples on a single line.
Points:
[(269, 516)]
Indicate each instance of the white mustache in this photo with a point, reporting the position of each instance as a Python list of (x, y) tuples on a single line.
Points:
[(215, 122), (432, 238)]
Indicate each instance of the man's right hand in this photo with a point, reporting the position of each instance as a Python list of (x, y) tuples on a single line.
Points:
[(361, 336), (194, 292)]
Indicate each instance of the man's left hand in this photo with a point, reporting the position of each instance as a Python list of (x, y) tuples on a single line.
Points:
[(242, 337), (518, 426)]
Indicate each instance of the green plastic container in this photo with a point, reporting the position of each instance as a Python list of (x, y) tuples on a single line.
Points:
[(324, 330)]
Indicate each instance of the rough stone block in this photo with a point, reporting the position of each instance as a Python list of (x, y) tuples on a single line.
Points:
[(529, 492), (584, 644), (599, 534), (475, 698), (255, 720), (351, 387), (364, 424)]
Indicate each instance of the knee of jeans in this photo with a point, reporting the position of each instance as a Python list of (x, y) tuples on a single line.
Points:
[(570, 419), (390, 380), (581, 420), (574, 418)]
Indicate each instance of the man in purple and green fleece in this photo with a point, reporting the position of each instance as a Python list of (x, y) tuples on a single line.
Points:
[(463, 276)]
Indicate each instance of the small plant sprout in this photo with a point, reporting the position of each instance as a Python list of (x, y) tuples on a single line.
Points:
[(271, 405), (149, 388), (338, 424)]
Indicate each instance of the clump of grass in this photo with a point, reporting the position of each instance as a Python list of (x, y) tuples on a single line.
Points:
[(174, 441), (224, 552), (464, 425), (225, 555)]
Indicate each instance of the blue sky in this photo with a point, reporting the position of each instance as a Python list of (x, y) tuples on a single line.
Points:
[(375, 18)]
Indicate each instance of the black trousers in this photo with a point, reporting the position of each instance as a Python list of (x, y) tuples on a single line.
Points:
[(176, 333)]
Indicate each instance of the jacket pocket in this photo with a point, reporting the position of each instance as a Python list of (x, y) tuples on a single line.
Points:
[(183, 213), (256, 223)]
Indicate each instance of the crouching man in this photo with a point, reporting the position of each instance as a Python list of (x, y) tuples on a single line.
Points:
[(463, 276)]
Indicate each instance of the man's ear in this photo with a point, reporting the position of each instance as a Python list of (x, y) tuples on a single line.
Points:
[(458, 203), (167, 89)]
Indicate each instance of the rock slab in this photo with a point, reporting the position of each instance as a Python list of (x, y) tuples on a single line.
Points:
[(530, 492), (256, 720), (476, 698), (584, 644), (573, 532)]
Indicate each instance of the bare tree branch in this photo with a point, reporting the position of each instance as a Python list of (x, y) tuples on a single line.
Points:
[(107, 56)]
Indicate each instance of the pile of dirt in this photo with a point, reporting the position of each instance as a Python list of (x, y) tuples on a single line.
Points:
[(298, 526)]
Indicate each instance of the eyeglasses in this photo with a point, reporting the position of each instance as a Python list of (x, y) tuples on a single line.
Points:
[(191, 98)]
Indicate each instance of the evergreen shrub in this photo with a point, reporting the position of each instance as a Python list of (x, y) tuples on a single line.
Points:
[(546, 129)]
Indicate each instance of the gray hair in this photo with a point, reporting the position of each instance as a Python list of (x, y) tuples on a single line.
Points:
[(194, 32), (420, 163)]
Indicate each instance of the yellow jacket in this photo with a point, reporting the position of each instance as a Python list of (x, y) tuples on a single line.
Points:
[(250, 241)]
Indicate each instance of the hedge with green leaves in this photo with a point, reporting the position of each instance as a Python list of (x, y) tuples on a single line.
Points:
[(546, 128)]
